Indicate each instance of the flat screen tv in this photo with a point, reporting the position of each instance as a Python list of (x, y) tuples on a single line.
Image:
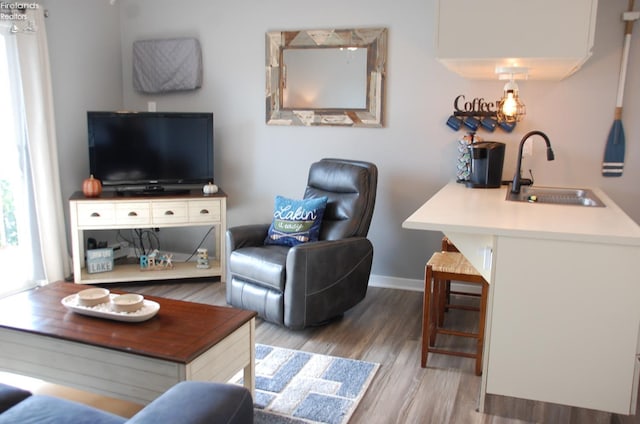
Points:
[(150, 152)]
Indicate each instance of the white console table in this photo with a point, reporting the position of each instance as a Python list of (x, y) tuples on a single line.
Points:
[(113, 212)]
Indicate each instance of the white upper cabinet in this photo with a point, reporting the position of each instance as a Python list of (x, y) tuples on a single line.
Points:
[(551, 38)]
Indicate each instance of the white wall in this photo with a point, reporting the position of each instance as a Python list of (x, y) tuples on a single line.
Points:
[(86, 63), (415, 152)]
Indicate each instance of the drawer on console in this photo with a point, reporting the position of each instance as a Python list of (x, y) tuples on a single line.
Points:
[(95, 213), (204, 210), (133, 214), (169, 213)]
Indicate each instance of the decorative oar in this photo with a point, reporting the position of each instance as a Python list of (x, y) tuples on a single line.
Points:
[(613, 162)]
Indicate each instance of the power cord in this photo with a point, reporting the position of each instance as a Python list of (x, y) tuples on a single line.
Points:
[(138, 236), (200, 244), (143, 241)]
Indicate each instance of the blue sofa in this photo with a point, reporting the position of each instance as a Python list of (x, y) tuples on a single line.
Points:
[(188, 402)]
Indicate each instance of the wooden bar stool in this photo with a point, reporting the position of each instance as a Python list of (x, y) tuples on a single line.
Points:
[(441, 268), (445, 295)]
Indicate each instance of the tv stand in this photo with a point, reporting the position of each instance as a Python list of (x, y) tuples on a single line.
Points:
[(112, 211)]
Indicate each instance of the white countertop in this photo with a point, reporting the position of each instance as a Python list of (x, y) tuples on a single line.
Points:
[(456, 208)]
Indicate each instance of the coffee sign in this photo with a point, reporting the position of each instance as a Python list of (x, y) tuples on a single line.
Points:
[(475, 107)]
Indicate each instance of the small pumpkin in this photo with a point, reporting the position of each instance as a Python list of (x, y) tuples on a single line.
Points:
[(210, 188), (92, 187)]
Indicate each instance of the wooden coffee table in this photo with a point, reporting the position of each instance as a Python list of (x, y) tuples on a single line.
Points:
[(136, 361)]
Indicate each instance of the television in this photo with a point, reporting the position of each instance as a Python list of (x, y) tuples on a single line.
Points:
[(150, 152)]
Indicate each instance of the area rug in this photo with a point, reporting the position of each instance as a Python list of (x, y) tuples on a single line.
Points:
[(299, 387)]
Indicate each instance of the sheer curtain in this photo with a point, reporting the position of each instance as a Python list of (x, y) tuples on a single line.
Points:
[(35, 140)]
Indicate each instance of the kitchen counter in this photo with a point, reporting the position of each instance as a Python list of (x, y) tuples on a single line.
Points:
[(563, 314), (456, 208)]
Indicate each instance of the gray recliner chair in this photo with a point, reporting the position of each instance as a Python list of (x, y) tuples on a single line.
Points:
[(310, 283)]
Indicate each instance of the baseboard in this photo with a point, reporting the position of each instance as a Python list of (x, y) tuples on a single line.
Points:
[(398, 283)]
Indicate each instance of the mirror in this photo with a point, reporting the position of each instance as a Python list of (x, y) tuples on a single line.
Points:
[(326, 77)]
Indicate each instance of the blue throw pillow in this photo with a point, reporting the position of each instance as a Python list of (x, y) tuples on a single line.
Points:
[(296, 221)]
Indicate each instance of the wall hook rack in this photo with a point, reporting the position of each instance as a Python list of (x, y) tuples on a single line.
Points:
[(476, 114)]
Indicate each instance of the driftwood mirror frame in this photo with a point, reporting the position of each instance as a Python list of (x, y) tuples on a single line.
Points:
[(373, 39)]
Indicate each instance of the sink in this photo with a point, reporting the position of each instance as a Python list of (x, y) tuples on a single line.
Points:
[(555, 196)]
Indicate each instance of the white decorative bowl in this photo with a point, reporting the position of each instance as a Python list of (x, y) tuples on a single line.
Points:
[(93, 297), (129, 302)]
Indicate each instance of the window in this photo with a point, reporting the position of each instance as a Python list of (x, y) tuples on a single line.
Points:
[(17, 242)]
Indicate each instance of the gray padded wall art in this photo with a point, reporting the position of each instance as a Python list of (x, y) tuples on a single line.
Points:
[(165, 65)]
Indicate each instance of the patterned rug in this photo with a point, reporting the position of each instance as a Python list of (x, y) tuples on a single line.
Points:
[(300, 387)]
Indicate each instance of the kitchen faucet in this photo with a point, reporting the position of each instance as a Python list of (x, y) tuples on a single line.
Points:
[(518, 181)]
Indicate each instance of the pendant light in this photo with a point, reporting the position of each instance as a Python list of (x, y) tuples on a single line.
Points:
[(510, 107)]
